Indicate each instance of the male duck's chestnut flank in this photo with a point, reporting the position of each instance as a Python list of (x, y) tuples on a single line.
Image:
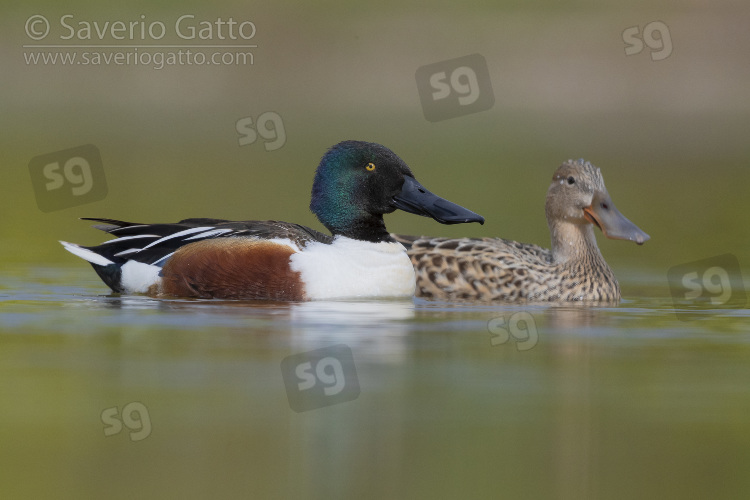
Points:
[(355, 184), (498, 269)]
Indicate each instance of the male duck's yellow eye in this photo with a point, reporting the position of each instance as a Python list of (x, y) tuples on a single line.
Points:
[(370, 167)]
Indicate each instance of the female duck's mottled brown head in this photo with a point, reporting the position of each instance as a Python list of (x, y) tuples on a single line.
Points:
[(578, 199)]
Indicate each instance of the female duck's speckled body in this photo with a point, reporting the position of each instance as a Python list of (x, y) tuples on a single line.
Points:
[(499, 269)]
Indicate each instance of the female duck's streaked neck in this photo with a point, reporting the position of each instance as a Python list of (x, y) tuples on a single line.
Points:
[(574, 242)]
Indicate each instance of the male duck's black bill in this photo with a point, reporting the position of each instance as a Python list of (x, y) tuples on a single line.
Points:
[(415, 199), (604, 215)]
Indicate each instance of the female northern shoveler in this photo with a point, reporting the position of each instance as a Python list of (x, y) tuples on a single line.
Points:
[(355, 184), (498, 269)]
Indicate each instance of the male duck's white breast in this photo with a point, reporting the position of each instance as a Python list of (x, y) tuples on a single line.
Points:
[(353, 268)]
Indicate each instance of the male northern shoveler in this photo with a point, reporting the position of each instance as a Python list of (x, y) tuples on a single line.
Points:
[(499, 269), (355, 184)]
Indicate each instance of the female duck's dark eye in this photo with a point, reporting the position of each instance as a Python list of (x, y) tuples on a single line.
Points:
[(571, 180)]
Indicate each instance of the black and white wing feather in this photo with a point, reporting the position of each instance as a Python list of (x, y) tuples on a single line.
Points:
[(154, 243)]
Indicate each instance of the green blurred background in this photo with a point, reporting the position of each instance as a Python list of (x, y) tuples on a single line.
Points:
[(622, 402), (669, 135)]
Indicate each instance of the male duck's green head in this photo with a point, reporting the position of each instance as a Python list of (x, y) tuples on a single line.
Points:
[(358, 182)]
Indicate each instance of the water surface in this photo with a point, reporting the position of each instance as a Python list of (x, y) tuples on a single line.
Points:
[(623, 401)]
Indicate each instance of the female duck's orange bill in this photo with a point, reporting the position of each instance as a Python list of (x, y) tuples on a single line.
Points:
[(604, 215)]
